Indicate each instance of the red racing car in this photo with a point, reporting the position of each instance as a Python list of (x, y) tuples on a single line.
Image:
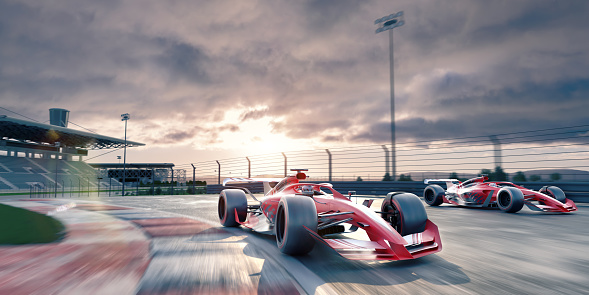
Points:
[(509, 197), (299, 214)]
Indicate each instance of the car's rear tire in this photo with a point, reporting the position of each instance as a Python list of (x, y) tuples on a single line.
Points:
[(405, 212), (231, 200), (295, 212), (554, 192), (510, 199), (433, 195)]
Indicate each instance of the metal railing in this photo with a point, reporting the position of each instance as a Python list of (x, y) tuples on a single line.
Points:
[(557, 154)]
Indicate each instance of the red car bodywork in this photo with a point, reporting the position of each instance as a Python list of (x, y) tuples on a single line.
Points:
[(478, 192), (383, 243)]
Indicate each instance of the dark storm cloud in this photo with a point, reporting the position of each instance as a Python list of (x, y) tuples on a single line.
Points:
[(537, 16), (174, 135), (178, 136), (329, 129), (56, 58), (531, 106), (331, 138), (315, 69), (229, 127), (253, 114), (323, 15), (184, 62)]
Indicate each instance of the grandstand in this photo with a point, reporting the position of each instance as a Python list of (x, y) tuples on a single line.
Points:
[(37, 155), (138, 172)]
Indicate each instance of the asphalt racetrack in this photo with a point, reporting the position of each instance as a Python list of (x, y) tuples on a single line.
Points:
[(485, 251)]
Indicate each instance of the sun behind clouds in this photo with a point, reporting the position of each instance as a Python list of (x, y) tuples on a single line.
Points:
[(255, 136)]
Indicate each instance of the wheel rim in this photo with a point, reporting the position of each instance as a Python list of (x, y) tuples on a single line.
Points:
[(392, 218), (504, 200), (429, 196), (280, 225), (221, 208)]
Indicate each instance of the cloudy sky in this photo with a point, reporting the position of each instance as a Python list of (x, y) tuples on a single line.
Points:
[(223, 79)]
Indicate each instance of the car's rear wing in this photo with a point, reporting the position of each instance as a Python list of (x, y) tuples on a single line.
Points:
[(245, 179), (449, 182), (269, 183)]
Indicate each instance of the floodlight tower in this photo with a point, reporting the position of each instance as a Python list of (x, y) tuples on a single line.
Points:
[(125, 117), (387, 23), (496, 150)]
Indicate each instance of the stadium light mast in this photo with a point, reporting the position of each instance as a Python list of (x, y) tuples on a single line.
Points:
[(496, 150), (57, 145), (125, 117), (388, 23)]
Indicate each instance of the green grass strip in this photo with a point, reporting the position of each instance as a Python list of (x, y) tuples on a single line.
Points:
[(19, 226)]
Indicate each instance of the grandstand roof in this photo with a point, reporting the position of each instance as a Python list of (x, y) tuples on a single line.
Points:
[(130, 165), (39, 133)]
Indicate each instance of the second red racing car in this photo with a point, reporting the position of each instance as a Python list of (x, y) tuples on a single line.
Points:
[(507, 196), (300, 214)]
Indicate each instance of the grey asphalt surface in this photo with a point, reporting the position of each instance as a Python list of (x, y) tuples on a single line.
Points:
[(485, 251)]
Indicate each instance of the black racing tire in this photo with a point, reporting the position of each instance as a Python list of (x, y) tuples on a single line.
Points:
[(554, 192), (510, 199), (229, 201), (293, 213), (433, 195), (405, 212)]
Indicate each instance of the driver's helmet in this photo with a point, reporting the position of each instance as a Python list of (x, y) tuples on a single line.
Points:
[(492, 184), (307, 190)]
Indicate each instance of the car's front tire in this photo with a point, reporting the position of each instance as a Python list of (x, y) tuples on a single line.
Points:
[(554, 192), (231, 200), (405, 212), (293, 215), (433, 195), (510, 199)]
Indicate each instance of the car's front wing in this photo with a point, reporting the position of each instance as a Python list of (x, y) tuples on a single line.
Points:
[(415, 246)]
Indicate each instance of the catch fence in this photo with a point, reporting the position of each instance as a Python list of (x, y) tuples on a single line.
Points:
[(556, 154)]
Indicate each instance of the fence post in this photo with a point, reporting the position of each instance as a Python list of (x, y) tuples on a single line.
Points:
[(386, 161), (249, 168), (496, 150), (57, 144), (152, 182), (284, 155), (172, 183), (219, 174), (329, 155), (193, 179)]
